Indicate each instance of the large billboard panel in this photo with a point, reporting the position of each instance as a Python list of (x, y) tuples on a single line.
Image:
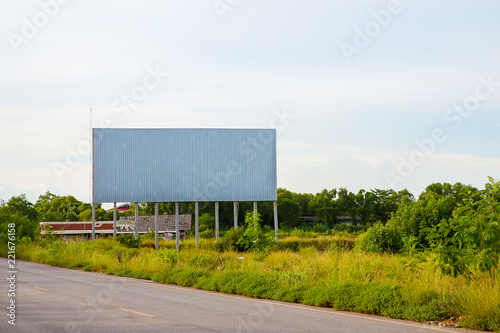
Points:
[(180, 165)]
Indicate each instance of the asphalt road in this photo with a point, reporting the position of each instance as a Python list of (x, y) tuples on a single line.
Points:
[(53, 299)]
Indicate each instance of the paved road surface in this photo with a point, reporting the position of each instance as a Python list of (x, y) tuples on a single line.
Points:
[(53, 299)]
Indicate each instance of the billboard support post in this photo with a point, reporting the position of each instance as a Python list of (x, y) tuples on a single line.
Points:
[(156, 225), (196, 224), (92, 176), (254, 213), (235, 209), (177, 225), (136, 228), (216, 221), (275, 206), (93, 220), (114, 219)]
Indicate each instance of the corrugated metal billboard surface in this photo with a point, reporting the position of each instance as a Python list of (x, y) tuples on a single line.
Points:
[(178, 165)]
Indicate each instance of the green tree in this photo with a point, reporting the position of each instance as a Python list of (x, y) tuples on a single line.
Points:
[(255, 236), (61, 208), (289, 211), (347, 205), (470, 240), (414, 218), (386, 203), (404, 196), (21, 206), (457, 191), (365, 205), (20, 212), (492, 189), (325, 207), (100, 214), (303, 199), (206, 222)]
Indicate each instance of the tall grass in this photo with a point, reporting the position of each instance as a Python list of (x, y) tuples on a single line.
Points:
[(321, 271)]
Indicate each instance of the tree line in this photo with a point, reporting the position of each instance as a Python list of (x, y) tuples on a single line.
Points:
[(331, 207)]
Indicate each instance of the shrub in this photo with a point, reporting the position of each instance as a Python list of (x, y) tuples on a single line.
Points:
[(255, 237), (380, 238), (229, 242), (207, 234), (351, 229), (414, 218), (470, 240), (128, 240), (170, 255)]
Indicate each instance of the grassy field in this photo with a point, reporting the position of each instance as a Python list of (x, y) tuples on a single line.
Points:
[(323, 271)]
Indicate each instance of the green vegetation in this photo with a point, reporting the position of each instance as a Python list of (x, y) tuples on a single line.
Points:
[(333, 276), (459, 231), (431, 258)]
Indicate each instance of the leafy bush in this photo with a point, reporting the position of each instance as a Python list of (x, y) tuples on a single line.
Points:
[(171, 256), (470, 240), (380, 238), (128, 240), (229, 242), (414, 218), (255, 237), (351, 229), (207, 234)]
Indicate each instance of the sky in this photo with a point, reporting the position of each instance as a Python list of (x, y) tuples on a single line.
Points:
[(363, 94)]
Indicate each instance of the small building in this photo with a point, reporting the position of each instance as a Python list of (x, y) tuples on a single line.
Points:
[(121, 207), (166, 226), (308, 219)]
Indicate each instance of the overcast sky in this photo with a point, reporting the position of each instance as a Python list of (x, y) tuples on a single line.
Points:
[(364, 94)]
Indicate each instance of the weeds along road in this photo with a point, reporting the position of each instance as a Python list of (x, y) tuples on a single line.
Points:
[(53, 299)]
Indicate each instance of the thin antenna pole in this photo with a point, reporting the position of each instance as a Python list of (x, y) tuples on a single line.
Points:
[(92, 173), (91, 152)]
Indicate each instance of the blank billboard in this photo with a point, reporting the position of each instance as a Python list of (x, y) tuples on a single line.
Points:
[(179, 165)]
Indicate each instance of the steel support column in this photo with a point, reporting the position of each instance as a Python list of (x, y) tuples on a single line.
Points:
[(216, 221), (157, 217), (275, 205), (235, 209), (93, 220), (136, 227), (177, 236), (196, 224), (114, 219)]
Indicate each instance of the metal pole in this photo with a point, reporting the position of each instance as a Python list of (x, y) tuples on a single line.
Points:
[(93, 220), (235, 209), (216, 221), (157, 217), (275, 204), (114, 219), (196, 224), (92, 181), (177, 225), (254, 212), (136, 228)]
